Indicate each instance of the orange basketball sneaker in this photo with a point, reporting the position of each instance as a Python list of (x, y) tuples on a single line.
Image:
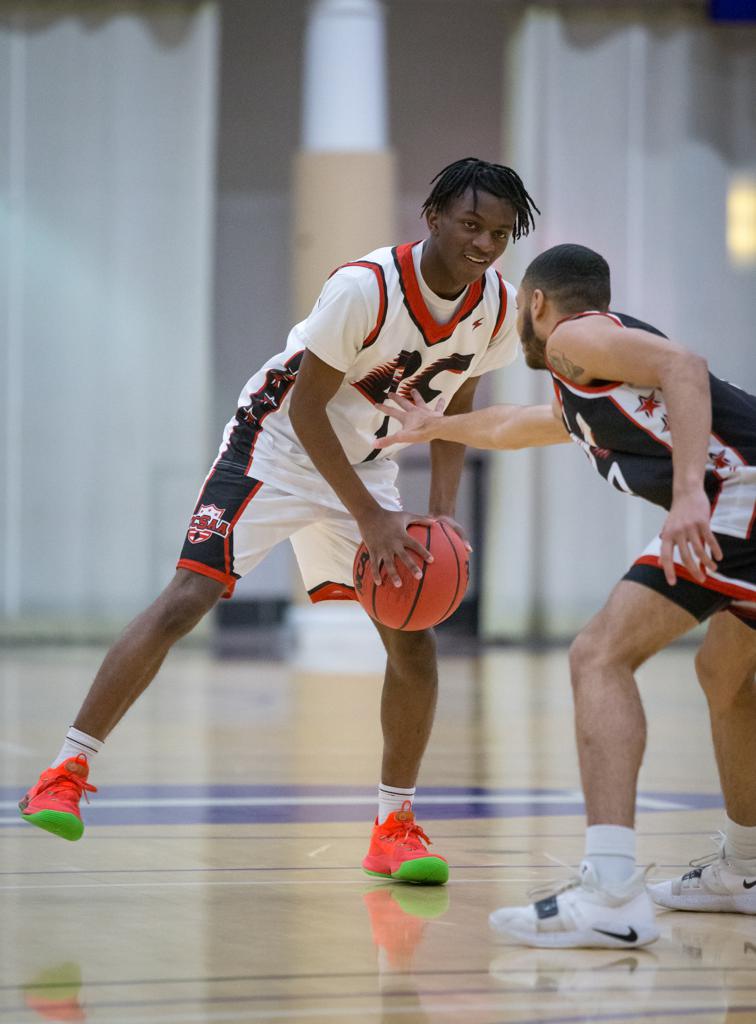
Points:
[(53, 804), (398, 850)]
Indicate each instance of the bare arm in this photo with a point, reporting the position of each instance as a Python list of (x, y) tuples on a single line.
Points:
[(447, 458), (595, 348), (384, 532), (497, 426)]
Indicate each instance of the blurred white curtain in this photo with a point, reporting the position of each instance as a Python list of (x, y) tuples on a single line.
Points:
[(107, 131), (629, 129)]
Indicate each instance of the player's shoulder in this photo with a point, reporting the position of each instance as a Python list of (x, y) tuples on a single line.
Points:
[(630, 321), (367, 265)]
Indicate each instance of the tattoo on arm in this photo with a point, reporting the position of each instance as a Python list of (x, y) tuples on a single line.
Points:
[(565, 366)]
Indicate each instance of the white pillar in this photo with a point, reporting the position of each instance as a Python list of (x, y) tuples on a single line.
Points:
[(344, 207)]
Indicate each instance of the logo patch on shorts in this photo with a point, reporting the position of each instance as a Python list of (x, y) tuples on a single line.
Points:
[(206, 521)]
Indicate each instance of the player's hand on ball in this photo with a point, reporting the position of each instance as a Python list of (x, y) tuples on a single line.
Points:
[(458, 529), (387, 541), (416, 417)]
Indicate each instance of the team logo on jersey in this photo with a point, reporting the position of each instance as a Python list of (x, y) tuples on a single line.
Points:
[(206, 521), (477, 323)]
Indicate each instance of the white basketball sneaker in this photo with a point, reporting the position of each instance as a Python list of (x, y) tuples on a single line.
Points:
[(715, 884), (585, 914)]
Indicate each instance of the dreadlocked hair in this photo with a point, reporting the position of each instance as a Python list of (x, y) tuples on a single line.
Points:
[(481, 176)]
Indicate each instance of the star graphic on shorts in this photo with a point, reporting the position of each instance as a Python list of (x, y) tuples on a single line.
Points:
[(648, 404), (719, 460)]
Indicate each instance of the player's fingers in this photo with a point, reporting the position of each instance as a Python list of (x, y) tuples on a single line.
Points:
[(422, 520), (440, 405), (410, 562), (703, 549), (402, 402), (691, 557), (667, 561), (714, 546), (460, 532), (391, 571), (375, 569), (390, 410), (386, 442)]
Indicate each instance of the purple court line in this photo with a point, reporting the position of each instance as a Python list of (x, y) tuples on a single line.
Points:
[(289, 804)]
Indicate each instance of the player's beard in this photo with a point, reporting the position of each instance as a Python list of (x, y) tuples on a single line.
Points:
[(533, 348)]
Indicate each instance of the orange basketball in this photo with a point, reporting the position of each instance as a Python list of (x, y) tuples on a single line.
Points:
[(417, 604)]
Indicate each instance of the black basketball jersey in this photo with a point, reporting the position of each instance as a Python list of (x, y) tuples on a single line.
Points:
[(624, 431)]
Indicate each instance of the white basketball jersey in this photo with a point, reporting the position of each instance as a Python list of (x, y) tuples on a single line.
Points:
[(372, 321)]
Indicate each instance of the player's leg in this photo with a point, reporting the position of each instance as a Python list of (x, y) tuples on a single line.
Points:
[(726, 665), (235, 523), (398, 846), (134, 659), (408, 702), (325, 552), (610, 723), (607, 904)]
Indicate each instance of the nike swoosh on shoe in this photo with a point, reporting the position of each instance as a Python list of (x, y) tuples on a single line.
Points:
[(631, 936)]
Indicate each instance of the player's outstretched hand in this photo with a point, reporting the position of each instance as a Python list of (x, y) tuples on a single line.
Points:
[(688, 528), (416, 417)]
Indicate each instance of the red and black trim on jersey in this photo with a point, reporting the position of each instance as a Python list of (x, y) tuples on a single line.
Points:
[(432, 333), (624, 431), (250, 417), (329, 591), (209, 544), (503, 302), (382, 296)]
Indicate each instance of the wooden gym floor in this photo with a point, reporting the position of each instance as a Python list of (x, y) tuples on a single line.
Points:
[(218, 879)]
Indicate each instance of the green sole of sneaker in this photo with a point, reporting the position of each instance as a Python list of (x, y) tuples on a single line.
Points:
[(67, 826), (423, 871)]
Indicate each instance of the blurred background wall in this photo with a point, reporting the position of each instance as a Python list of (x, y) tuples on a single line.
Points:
[(147, 240)]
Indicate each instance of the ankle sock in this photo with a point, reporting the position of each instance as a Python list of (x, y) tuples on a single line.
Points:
[(78, 742), (611, 851), (740, 844), (391, 798)]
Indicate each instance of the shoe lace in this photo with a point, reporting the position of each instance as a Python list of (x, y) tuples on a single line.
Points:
[(699, 863), (406, 831), (555, 886), (65, 780)]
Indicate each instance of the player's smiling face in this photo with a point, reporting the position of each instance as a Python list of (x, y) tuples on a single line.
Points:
[(466, 237)]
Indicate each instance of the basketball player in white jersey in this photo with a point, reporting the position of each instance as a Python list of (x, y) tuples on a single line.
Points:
[(683, 439), (299, 460)]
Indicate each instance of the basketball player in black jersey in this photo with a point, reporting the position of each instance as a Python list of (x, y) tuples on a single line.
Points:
[(655, 423)]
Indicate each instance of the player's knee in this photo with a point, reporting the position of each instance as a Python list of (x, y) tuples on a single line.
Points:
[(186, 600), (723, 686), (412, 653), (586, 654)]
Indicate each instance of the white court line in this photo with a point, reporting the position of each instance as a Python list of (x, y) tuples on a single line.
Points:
[(320, 849), (503, 799), (65, 884), (459, 1003)]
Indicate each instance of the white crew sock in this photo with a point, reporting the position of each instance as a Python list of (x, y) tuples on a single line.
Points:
[(78, 742), (740, 845), (611, 851), (391, 798)]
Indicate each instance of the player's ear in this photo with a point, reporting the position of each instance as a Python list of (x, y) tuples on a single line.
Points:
[(537, 302), (431, 219)]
